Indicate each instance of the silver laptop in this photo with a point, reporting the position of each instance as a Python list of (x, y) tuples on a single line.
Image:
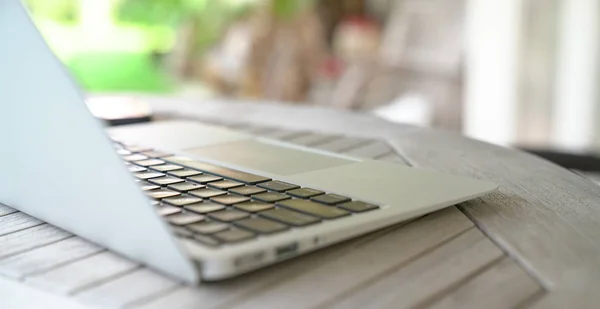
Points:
[(193, 201)]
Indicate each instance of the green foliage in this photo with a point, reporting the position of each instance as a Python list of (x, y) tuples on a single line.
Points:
[(110, 72), (62, 11), (210, 17), (288, 8), (152, 12)]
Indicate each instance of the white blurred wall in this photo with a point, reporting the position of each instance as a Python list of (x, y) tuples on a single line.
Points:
[(532, 73)]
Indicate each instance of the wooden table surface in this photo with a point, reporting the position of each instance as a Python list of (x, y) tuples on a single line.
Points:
[(533, 244)]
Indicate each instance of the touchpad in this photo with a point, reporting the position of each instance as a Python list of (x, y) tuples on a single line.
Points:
[(268, 157)]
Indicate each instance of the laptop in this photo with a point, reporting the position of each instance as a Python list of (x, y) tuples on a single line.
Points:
[(194, 201)]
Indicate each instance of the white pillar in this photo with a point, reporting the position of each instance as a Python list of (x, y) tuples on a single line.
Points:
[(576, 110), (491, 76)]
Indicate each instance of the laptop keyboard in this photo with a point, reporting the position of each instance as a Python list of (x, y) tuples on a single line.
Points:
[(215, 205)]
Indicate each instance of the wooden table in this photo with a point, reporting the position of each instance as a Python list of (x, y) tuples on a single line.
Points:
[(533, 244)]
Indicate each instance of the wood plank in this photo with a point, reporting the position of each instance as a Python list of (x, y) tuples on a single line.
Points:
[(561, 299), (544, 215), (16, 222), (412, 284), (47, 257), (16, 295), (504, 285), (375, 258), (30, 238), (5, 210), (343, 144), (82, 273), (371, 150), (213, 295), (134, 286)]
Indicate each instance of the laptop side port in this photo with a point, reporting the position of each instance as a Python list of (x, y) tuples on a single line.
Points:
[(286, 251)]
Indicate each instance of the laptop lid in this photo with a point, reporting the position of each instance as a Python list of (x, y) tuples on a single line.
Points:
[(57, 164)]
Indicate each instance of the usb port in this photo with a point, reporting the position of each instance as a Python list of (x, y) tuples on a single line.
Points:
[(287, 250)]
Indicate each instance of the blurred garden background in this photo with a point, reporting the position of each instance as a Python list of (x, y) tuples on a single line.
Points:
[(521, 72), (120, 45), (286, 50)]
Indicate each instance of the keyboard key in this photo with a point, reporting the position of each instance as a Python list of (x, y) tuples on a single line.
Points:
[(180, 231), (184, 218), (229, 199), (156, 154), (164, 181), (166, 210), (253, 206), (206, 192), (236, 235), (150, 162), (148, 187), (358, 206), (225, 184), (206, 228), (162, 193), (314, 209), (135, 157), (184, 173), (204, 178), (166, 167), (247, 190), (185, 186), (137, 169), (330, 199), (304, 192), (205, 207), (181, 200), (148, 175), (289, 217), (278, 186), (228, 215), (206, 240), (271, 197), (134, 148), (261, 225), (217, 170)]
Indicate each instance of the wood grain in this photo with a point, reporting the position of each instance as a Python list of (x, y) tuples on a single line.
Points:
[(19, 296), (16, 222), (430, 275), (546, 217), (82, 274), (368, 262), (5, 210), (504, 285), (30, 238), (47, 257), (126, 289)]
